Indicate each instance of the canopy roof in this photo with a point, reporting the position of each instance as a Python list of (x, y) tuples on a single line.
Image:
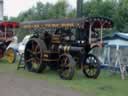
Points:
[(117, 35), (9, 24), (117, 39), (96, 22)]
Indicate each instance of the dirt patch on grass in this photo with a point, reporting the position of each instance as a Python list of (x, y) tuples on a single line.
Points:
[(12, 85)]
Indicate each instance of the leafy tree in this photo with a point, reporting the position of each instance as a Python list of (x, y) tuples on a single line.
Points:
[(44, 11), (121, 16), (117, 10), (58, 10)]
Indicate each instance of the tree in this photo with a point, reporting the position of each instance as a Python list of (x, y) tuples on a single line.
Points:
[(44, 11), (5, 18), (121, 16), (99, 8), (58, 10), (117, 10)]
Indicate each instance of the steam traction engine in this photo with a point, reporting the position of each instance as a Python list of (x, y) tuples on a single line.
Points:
[(64, 44), (6, 36)]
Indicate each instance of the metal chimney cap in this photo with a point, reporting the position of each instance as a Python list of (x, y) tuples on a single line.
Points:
[(1, 1)]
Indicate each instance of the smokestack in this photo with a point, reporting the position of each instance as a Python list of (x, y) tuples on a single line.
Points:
[(79, 8), (1, 10)]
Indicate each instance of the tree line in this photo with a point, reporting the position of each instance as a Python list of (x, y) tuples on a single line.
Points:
[(116, 10)]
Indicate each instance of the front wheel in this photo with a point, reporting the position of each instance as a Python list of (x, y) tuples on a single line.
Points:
[(10, 55), (67, 67), (91, 66)]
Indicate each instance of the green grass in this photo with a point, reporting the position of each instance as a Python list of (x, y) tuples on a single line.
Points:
[(105, 85)]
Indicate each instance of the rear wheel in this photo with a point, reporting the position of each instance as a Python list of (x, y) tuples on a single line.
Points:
[(91, 66), (34, 55), (67, 67)]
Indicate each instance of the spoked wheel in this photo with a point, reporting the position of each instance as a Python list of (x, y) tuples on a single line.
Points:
[(10, 55), (67, 67), (34, 55), (91, 66)]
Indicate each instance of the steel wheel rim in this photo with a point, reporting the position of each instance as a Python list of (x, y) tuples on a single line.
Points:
[(65, 66), (35, 54), (10, 54), (91, 66)]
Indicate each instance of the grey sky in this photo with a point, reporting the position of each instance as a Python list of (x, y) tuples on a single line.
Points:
[(14, 7)]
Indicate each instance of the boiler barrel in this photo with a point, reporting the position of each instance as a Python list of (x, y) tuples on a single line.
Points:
[(71, 49)]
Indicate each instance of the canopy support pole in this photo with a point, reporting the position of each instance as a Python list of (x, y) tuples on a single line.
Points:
[(90, 33), (5, 33)]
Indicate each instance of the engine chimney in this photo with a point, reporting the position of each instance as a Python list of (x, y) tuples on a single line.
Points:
[(79, 8), (1, 10)]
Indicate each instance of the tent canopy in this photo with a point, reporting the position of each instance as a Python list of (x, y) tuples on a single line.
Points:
[(117, 39)]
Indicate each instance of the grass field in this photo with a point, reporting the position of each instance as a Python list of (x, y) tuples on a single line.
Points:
[(105, 85)]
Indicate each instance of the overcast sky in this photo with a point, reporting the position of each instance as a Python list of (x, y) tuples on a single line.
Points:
[(14, 7)]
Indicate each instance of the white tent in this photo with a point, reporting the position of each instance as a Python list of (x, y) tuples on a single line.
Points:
[(116, 53), (118, 42), (118, 39)]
